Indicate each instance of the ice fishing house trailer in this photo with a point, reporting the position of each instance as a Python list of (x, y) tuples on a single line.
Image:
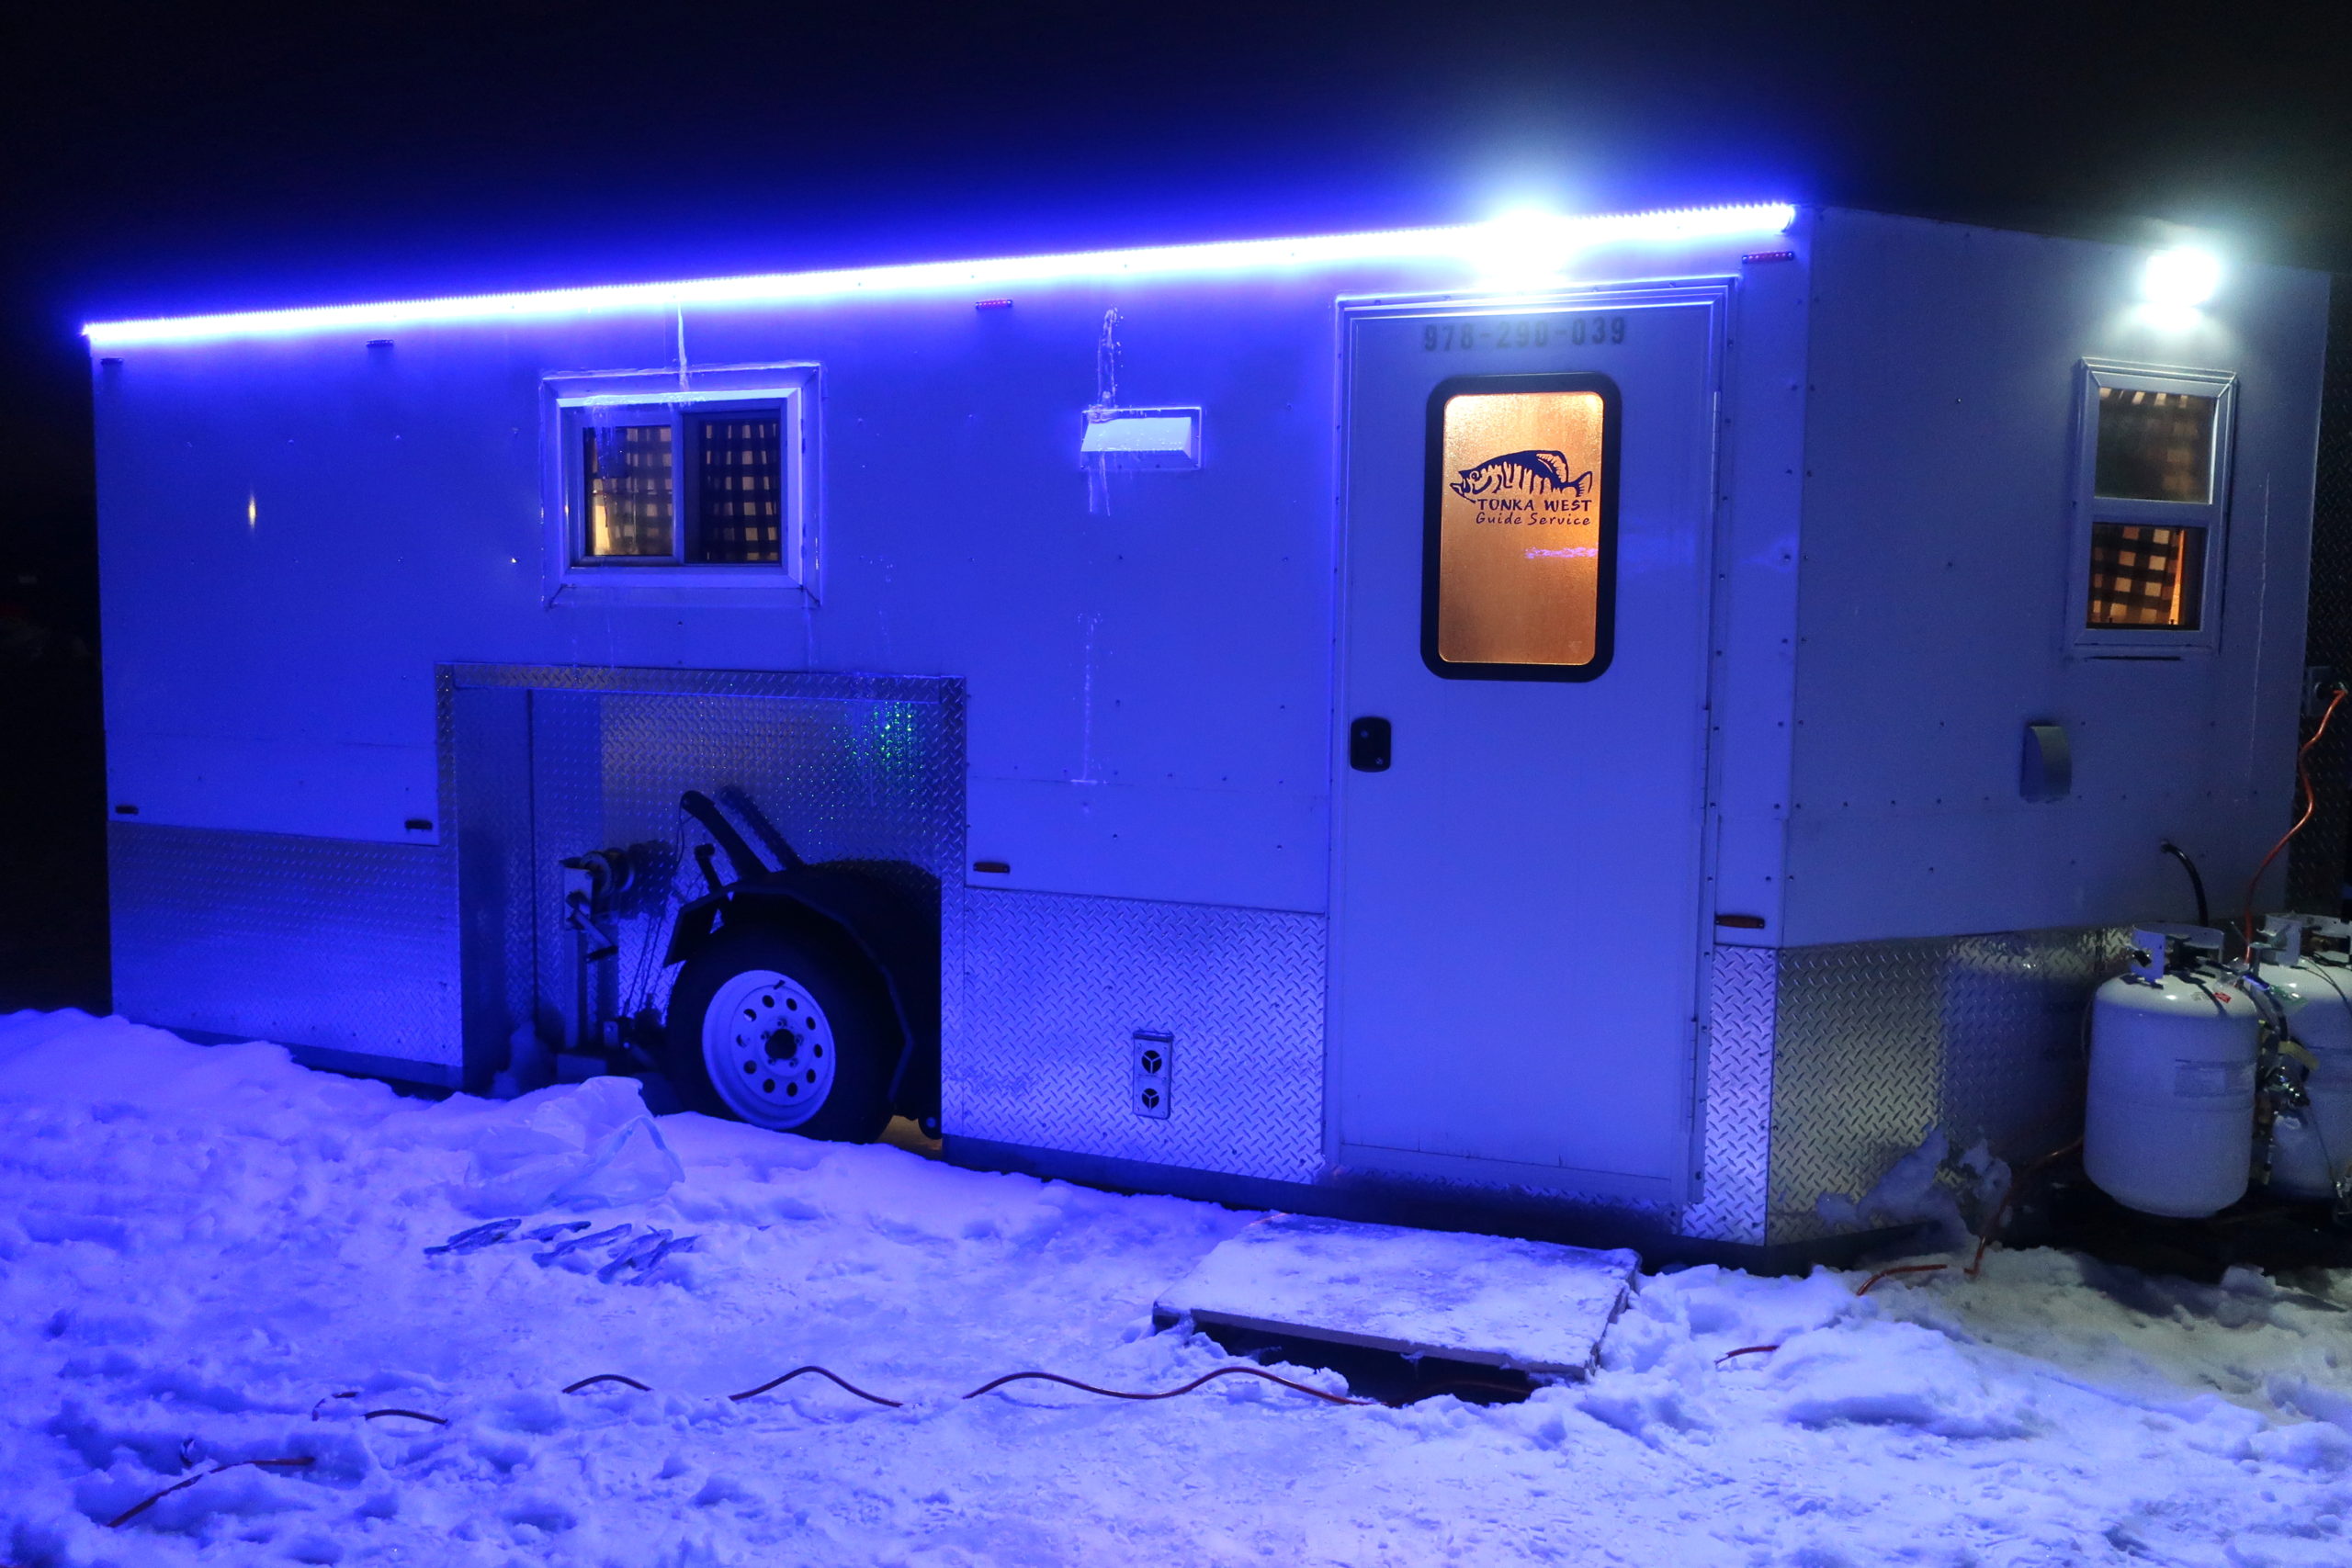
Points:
[(1638, 719)]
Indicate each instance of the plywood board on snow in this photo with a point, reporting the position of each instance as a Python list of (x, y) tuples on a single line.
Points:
[(1530, 1305)]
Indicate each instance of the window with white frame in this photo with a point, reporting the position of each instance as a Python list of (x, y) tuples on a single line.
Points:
[(2152, 486), (687, 487)]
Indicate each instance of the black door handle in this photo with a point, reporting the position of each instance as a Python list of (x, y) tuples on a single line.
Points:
[(1368, 745)]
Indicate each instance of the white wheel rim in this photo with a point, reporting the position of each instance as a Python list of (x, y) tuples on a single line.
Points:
[(768, 1048)]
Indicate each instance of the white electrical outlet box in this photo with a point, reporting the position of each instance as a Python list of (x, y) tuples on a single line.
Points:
[(1151, 1065)]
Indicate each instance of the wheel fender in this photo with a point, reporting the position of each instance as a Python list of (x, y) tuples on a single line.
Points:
[(880, 921)]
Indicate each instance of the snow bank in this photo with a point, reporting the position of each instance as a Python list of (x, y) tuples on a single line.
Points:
[(210, 1254)]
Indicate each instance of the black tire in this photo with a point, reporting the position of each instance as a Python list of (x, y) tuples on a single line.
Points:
[(824, 991)]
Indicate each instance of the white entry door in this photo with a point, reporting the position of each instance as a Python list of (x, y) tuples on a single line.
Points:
[(1521, 740)]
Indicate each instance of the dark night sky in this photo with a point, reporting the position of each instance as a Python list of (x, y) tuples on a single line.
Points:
[(161, 159), (177, 158)]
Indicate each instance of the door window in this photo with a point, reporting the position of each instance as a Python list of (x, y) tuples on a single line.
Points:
[(1519, 560)]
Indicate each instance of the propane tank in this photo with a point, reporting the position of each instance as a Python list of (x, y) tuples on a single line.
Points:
[(2175, 1043), (2308, 967)]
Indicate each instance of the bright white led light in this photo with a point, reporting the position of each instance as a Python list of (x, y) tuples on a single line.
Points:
[(1525, 247), (2181, 280), (1559, 237)]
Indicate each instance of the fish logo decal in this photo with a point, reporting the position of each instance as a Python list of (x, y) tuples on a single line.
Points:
[(1540, 472)]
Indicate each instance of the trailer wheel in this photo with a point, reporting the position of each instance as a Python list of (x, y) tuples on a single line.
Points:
[(784, 1031)]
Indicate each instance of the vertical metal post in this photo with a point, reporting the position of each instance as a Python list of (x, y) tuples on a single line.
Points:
[(2316, 868)]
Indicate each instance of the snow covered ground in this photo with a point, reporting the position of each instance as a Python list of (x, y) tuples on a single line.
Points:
[(202, 1250)]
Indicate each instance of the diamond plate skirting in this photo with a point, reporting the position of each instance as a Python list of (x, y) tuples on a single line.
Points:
[(1867, 1047), (486, 812), (329, 943), (1055, 988), (1735, 1114), (554, 761)]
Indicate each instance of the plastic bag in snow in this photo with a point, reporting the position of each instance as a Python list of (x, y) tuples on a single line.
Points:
[(588, 1146)]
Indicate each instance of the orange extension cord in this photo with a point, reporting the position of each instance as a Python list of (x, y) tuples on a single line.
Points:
[(2310, 804), (1983, 1239), (301, 1463)]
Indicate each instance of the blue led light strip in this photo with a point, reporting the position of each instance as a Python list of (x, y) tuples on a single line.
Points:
[(1533, 237)]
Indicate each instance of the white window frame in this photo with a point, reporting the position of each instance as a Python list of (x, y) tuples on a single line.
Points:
[(569, 405), (2089, 509)]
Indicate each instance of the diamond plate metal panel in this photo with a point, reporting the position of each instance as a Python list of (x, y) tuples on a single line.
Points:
[(1736, 1115), (2013, 1013), (1056, 987), (567, 816), (840, 766), (332, 942), (1876, 1043), (486, 804), (813, 685)]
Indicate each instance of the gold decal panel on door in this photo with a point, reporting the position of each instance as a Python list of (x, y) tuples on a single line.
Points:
[(1522, 548)]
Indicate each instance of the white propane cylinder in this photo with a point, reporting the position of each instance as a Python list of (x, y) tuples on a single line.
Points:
[(2311, 1147), (2169, 1128)]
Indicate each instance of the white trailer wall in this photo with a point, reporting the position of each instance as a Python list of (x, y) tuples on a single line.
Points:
[(1936, 597), (299, 531)]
